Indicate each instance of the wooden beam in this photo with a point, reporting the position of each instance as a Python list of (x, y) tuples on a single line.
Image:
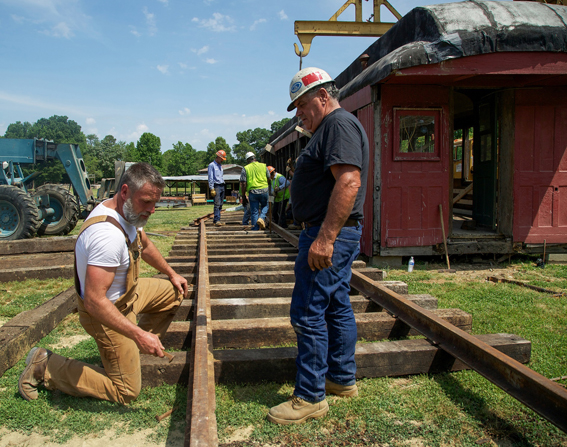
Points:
[(380, 359), (23, 331), (258, 332)]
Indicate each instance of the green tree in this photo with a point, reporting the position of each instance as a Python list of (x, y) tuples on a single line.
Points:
[(181, 160), (214, 146), (277, 125), (250, 141), (148, 149), (19, 130)]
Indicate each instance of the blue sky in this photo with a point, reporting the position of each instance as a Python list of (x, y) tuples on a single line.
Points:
[(184, 70)]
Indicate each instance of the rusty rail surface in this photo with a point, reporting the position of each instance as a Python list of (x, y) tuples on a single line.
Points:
[(542, 395), (201, 424)]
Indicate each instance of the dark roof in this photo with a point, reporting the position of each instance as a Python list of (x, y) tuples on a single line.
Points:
[(432, 34)]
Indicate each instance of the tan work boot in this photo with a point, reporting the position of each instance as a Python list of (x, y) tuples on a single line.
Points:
[(219, 223), (294, 227), (32, 376), (296, 411), (261, 223), (340, 390)]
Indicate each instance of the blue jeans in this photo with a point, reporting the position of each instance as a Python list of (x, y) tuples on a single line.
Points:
[(219, 199), (246, 216), (322, 316), (258, 208)]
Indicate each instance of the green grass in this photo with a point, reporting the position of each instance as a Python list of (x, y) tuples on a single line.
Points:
[(451, 409)]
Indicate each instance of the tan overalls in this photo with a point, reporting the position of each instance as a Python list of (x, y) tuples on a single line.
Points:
[(155, 300)]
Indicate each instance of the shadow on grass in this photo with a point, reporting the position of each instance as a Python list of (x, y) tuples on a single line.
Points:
[(476, 407)]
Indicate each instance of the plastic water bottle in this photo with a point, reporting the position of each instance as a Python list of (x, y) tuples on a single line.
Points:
[(411, 264)]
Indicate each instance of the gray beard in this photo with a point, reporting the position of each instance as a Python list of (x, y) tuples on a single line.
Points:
[(131, 217)]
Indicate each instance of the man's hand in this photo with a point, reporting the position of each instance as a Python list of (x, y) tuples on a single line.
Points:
[(213, 193), (149, 343), (180, 283), (277, 189), (320, 253)]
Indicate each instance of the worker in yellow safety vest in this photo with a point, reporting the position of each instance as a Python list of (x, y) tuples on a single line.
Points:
[(280, 186), (256, 183)]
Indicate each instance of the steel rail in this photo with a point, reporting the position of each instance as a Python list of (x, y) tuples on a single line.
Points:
[(201, 423), (542, 395)]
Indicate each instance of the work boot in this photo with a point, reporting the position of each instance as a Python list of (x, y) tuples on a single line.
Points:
[(32, 376), (219, 224), (293, 227), (261, 223), (340, 390), (296, 411)]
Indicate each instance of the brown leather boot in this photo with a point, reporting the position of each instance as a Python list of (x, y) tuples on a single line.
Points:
[(340, 390), (296, 411), (32, 376)]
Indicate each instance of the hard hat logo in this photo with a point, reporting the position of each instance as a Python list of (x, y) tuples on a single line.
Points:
[(295, 87)]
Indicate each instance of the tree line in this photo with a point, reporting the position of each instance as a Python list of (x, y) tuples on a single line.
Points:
[(99, 155)]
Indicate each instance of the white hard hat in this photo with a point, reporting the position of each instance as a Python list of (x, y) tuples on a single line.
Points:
[(249, 155), (304, 80)]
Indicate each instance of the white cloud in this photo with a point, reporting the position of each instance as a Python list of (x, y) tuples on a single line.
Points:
[(140, 129), (211, 61), (182, 65), (185, 111), (165, 2), (150, 21), (283, 15), (219, 23), (90, 121), (202, 50), (257, 22), (163, 68), (67, 15), (134, 31)]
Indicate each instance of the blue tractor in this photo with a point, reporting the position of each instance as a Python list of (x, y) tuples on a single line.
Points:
[(50, 209)]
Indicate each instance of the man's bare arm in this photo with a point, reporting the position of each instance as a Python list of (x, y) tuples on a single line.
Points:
[(97, 282), (342, 200), (153, 257)]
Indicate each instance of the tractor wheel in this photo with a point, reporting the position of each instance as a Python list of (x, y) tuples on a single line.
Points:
[(19, 217), (66, 210)]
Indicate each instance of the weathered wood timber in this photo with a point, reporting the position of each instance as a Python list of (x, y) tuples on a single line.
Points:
[(380, 359), (23, 331), (261, 332), (227, 309), (38, 245)]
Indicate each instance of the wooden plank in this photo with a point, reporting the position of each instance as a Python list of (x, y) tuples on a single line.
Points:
[(226, 309), (259, 332), (23, 331), (381, 359), (21, 274), (38, 245)]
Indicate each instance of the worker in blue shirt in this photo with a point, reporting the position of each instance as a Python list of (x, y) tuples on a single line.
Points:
[(216, 185)]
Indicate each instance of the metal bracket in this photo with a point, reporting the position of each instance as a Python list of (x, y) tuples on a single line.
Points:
[(307, 30)]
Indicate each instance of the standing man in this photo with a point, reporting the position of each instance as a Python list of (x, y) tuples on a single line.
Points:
[(216, 185), (255, 181), (280, 186), (111, 297), (327, 193)]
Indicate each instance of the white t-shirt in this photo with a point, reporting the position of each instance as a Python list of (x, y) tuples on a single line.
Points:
[(104, 245)]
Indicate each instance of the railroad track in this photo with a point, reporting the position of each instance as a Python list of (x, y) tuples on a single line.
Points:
[(233, 324)]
